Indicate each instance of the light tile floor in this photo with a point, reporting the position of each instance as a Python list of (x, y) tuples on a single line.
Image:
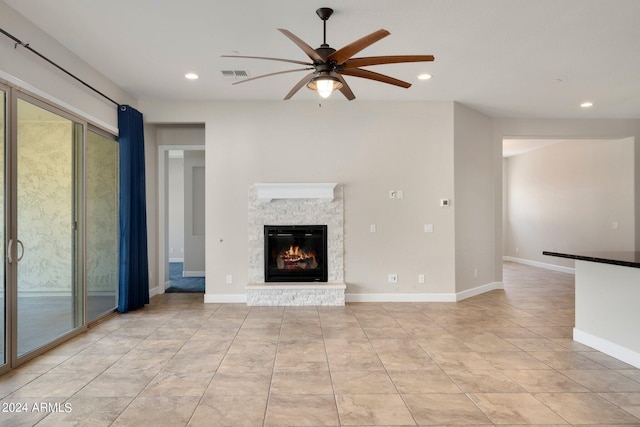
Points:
[(502, 358)]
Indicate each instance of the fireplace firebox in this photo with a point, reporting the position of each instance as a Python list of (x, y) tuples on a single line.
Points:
[(295, 253)]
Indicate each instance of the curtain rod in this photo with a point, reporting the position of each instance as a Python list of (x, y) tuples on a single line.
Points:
[(26, 46)]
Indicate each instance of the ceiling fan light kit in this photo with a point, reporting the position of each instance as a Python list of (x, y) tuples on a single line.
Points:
[(324, 85), (329, 65)]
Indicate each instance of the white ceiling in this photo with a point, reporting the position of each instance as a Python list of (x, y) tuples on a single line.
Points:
[(506, 58)]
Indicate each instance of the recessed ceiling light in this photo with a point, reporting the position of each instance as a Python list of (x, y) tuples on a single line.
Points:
[(191, 76), (586, 104), (425, 76)]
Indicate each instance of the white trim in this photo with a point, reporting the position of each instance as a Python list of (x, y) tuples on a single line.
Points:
[(153, 292), (167, 285), (270, 191), (176, 259), (399, 297), (443, 297), (225, 298), (607, 347), (193, 274), (21, 84), (540, 264), (478, 290)]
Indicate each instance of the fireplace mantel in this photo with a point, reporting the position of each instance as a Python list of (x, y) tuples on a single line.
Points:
[(318, 191)]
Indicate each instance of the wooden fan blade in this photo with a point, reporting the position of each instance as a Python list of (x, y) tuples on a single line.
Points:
[(292, 61), (302, 45), (299, 85), (378, 60), (345, 89), (341, 55), (272, 74), (366, 74)]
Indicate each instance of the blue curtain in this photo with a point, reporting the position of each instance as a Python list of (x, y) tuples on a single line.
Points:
[(133, 258)]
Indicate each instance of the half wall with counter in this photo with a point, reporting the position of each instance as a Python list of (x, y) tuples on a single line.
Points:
[(607, 302)]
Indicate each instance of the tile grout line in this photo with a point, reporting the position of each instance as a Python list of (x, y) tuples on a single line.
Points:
[(212, 377)]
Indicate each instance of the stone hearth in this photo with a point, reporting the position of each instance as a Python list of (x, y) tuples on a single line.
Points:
[(295, 294), (296, 204)]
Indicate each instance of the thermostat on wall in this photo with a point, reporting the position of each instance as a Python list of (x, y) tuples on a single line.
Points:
[(444, 202)]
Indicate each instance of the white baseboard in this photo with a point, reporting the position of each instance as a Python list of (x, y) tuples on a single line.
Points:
[(444, 297), (225, 298), (607, 347), (193, 273), (153, 292), (176, 259), (242, 298), (540, 264), (400, 297), (478, 290)]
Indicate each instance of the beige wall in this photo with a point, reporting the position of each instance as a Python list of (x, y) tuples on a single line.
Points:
[(475, 176), (566, 197), (368, 147)]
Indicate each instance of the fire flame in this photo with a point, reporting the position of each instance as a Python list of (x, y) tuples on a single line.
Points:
[(296, 258), (294, 252)]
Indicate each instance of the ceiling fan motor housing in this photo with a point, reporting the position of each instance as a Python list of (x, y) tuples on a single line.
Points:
[(324, 51)]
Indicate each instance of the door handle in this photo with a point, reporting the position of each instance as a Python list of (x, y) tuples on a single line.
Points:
[(10, 251), (21, 250)]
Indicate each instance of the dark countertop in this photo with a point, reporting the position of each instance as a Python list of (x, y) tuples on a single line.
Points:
[(626, 259)]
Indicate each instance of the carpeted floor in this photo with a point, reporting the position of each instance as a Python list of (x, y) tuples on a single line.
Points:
[(183, 284)]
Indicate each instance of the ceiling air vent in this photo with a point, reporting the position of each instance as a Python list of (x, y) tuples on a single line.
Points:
[(235, 74)]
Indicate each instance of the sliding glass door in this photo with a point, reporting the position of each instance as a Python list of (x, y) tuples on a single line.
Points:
[(59, 228), (46, 245), (3, 285), (101, 224)]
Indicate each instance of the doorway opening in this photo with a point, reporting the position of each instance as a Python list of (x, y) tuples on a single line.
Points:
[(181, 260), (185, 200), (567, 195)]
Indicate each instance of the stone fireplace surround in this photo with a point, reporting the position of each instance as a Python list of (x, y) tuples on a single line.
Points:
[(296, 204)]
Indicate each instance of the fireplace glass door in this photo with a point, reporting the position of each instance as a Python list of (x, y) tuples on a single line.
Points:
[(295, 253)]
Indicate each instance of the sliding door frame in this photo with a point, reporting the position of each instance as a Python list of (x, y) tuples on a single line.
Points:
[(10, 225), (8, 290), (78, 272)]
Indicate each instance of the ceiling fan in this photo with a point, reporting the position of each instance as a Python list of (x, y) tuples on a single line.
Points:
[(330, 65)]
